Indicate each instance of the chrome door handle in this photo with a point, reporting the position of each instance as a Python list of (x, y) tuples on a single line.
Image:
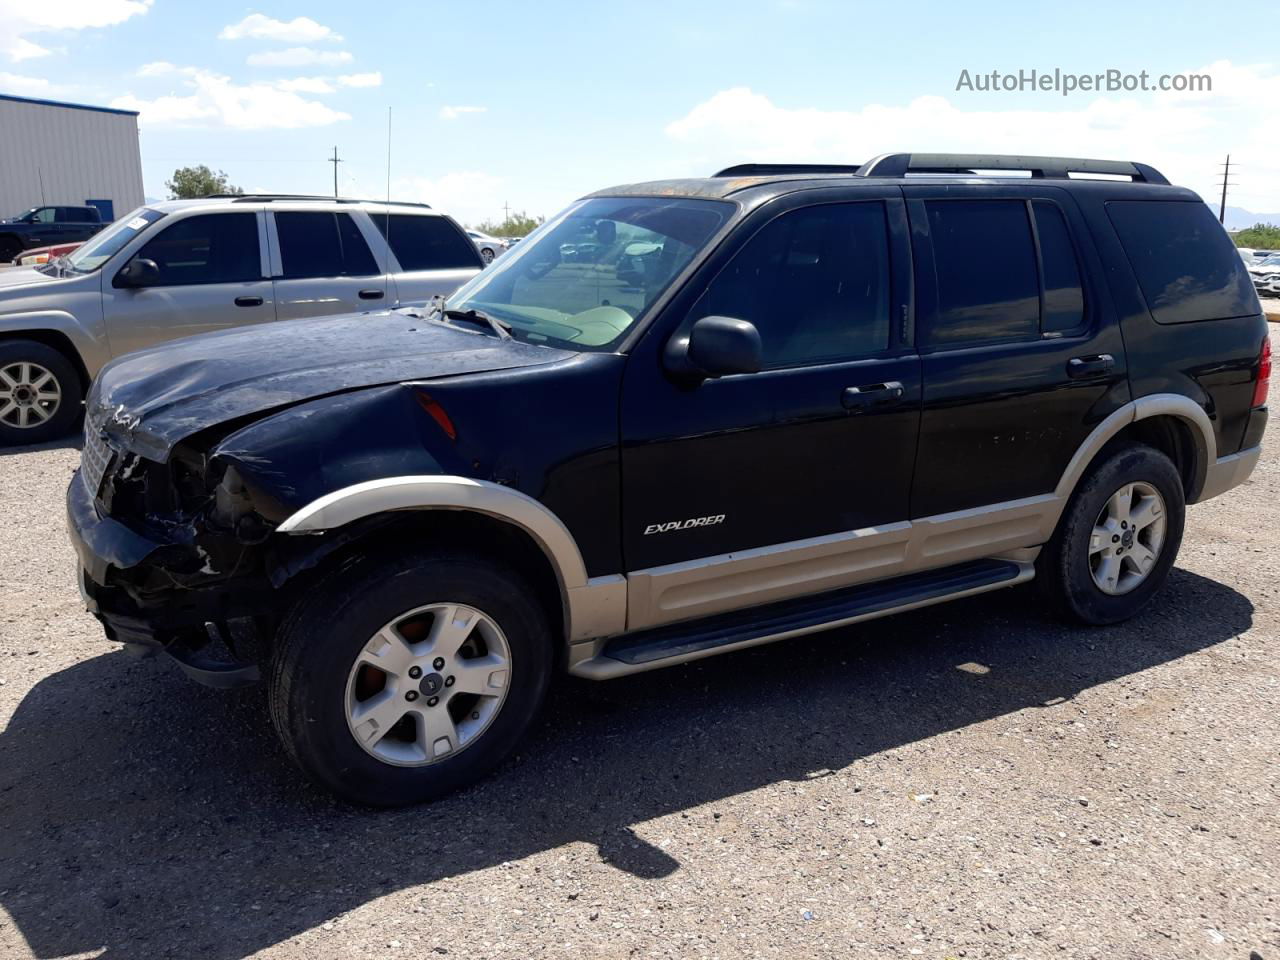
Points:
[(868, 396)]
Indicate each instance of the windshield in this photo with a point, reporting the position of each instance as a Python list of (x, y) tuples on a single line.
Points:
[(586, 277), (1271, 261), (102, 246)]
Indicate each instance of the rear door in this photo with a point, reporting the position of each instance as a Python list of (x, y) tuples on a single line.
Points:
[(433, 257), (322, 264), (1022, 354), (212, 276)]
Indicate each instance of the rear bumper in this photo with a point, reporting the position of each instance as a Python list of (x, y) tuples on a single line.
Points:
[(1228, 472)]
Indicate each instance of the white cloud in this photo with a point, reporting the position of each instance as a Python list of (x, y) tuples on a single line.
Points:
[(157, 68), (453, 113), (470, 196), (306, 85), (215, 101), (361, 80), (258, 27), (21, 17), (1184, 136), (24, 86), (298, 57)]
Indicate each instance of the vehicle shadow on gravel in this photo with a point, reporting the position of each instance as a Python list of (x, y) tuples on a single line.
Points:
[(152, 817), (72, 441)]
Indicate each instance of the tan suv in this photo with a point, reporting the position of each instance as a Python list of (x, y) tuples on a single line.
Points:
[(183, 267)]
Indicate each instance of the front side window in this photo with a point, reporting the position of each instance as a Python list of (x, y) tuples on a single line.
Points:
[(426, 242), (587, 277), (1185, 263), (209, 248), (322, 244), (988, 289), (105, 244), (814, 282)]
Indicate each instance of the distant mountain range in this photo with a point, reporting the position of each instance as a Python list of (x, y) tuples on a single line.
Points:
[(1239, 218)]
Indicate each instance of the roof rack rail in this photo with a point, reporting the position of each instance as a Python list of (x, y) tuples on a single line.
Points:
[(1053, 168), (775, 169), (269, 197)]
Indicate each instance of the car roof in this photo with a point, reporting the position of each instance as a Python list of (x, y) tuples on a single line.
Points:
[(285, 202)]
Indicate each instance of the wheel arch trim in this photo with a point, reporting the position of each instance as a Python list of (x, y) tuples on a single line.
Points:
[(592, 606), (1154, 405)]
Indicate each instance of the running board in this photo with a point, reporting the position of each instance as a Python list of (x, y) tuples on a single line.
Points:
[(692, 640)]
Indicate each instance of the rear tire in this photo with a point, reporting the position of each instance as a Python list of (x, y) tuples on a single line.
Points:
[(369, 727), (10, 249), (1117, 538), (40, 393)]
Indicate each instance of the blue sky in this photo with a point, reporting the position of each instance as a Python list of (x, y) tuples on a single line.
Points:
[(535, 104)]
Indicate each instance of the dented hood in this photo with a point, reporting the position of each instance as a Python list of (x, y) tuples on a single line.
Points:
[(153, 399)]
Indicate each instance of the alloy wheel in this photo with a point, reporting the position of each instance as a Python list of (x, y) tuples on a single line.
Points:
[(1127, 538), (29, 395), (428, 684)]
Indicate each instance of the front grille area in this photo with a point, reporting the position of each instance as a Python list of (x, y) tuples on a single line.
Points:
[(95, 458)]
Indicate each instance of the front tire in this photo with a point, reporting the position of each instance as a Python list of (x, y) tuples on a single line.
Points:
[(398, 680), (1117, 539), (40, 393), (487, 255)]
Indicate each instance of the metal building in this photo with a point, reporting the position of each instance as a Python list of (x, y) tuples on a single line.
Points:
[(68, 153)]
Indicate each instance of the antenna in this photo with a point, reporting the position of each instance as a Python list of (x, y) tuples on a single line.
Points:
[(386, 222), (1222, 209)]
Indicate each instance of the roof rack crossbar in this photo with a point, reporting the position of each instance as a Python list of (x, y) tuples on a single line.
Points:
[(1055, 168)]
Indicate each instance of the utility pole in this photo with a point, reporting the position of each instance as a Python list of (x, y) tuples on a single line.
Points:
[(1222, 208), (335, 161), (506, 212)]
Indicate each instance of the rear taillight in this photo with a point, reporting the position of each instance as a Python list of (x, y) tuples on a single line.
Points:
[(1263, 386)]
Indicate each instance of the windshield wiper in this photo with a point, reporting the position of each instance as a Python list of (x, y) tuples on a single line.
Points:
[(500, 327)]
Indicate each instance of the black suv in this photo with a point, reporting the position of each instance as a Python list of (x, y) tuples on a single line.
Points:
[(47, 226), (771, 401)]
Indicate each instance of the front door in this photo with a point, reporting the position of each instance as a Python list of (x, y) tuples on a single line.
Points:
[(782, 467), (211, 278)]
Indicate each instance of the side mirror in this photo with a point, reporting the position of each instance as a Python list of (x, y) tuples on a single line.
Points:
[(715, 347), (138, 272)]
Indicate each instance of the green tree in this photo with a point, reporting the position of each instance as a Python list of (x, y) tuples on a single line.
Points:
[(516, 225), (1264, 236), (192, 182)]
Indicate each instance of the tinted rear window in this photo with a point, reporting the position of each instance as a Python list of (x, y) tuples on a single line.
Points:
[(985, 265), (427, 243), (1063, 297), (1186, 265), (322, 245)]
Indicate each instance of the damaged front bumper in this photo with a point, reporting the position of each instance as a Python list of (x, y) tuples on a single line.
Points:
[(116, 560)]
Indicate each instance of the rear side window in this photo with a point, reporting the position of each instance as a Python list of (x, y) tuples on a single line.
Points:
[(427, 243), (319, 244), (210, 248), (814, 282), (988, 288), (1063, 297), (1186, 265)]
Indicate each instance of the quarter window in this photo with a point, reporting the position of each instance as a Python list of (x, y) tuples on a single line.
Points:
[(422, 242), (210, 248), (985, 269), (321, 244), (1186, 265), (814, 282)]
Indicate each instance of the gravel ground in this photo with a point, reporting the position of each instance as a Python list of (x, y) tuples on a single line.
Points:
[(970, 781)]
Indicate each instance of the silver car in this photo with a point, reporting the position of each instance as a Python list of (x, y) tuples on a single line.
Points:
[(489, 247), (184, 267)]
